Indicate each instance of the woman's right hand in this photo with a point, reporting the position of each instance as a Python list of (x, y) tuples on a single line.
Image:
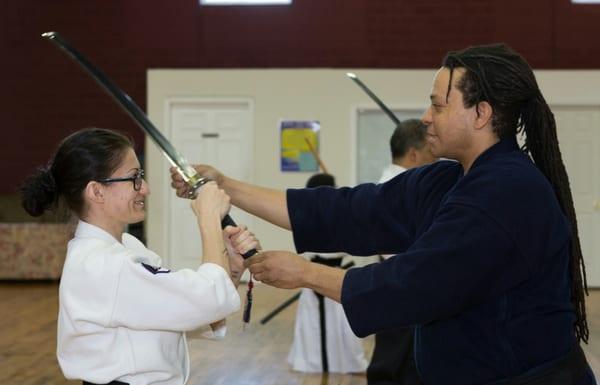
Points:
[(211, 201), (238, 240), (182, 188)]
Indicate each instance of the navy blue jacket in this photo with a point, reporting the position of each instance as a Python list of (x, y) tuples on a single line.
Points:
[(482, 264)]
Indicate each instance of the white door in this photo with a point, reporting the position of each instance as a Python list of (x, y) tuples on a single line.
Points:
[(579, 140), (218, 133)]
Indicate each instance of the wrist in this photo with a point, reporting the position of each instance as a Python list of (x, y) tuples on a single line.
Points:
[(208, 220), (310, 276), (221, 180)]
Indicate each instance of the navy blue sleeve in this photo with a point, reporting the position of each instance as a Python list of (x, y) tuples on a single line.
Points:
[(464, 258), (364, 220)]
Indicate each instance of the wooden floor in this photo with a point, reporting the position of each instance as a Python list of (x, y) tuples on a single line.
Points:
[(256, 355)]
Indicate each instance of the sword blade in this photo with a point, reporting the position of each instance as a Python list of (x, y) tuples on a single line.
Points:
[(188, 173), (374, 97)]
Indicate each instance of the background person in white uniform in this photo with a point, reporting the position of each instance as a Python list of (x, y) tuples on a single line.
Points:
[(122, 317), (392, 362), (409, 149), (323, 340)]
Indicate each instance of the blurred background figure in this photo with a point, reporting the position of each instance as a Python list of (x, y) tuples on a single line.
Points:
[(393, 361), (409, 149), (323, 340)]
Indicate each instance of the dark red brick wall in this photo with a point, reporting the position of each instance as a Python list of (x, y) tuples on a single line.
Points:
[(44, 96)]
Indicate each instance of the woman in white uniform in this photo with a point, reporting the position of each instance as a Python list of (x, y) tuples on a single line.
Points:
[(122, 316)]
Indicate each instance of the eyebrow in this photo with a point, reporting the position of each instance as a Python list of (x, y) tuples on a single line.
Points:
[(136, 169)]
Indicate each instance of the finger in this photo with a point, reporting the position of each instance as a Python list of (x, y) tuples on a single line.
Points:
[(258, 276), (231, 231), (243, 235), (253, 260), (240, 229), (246, 245), (240, 237), (256, 269)]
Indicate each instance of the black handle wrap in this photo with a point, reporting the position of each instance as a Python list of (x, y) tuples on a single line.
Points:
[(227, 221)]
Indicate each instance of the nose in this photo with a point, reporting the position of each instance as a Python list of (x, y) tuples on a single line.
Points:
[(145, 189), (427, 119)]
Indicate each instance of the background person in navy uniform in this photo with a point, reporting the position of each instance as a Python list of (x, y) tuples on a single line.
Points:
[(490, 272), (392, 361), (122, 316)]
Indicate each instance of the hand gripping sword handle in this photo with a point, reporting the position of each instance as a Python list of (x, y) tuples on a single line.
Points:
[(227, 221)]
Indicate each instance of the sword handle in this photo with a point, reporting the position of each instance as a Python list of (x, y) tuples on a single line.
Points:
[(227, 221)]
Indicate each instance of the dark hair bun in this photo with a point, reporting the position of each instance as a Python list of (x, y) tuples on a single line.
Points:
[(38, 192)]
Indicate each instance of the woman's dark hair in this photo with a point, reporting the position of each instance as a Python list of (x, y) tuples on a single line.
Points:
[(501, 77), (86, 155)]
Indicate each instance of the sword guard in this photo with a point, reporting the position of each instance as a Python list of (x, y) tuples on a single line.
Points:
[(191, 194)]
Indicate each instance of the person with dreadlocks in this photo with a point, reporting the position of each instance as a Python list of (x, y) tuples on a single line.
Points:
[(490, 272)]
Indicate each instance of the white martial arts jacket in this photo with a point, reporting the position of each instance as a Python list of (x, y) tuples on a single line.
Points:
[(122, 316)]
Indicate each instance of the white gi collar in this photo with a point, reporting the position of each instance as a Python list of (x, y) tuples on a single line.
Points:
[(142, 254), (87, 230), (390, 172)]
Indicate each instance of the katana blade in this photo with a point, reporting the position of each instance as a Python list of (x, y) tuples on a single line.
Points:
[(374, 97), (187, 172)]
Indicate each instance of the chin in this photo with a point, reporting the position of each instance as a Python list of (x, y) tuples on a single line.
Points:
[(137, 219)]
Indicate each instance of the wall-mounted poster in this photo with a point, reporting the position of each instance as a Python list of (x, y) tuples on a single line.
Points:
[(297, 136)]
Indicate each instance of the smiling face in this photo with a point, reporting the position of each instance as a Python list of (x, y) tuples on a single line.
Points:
[(112, 205), (449, 123), (124, 205)]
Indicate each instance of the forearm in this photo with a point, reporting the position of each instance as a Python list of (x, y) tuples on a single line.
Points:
[(265, 203), (213, 248), (325, 280)]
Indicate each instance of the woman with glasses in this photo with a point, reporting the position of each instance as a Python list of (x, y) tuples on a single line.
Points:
[(122, 316)]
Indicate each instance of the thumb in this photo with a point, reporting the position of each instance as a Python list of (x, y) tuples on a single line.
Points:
[(257, 258)]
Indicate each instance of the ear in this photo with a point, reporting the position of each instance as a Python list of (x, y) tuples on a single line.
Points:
[(484, 115), (412, 154), (94, 192)]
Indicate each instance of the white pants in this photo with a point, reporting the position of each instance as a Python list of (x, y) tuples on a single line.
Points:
[(344, 350)]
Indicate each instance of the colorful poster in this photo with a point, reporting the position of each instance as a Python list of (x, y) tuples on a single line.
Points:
[(297, 137)]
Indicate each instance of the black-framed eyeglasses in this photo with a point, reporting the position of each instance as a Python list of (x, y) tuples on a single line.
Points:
[(137, 179)]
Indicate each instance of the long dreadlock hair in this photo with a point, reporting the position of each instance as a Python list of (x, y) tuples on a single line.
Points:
[(498, 75)]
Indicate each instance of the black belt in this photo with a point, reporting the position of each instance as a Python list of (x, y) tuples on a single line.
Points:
[(110, 383), (568, 370), (333, 262)]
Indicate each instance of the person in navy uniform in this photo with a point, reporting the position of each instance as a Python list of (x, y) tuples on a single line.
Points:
[(490, 272)]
